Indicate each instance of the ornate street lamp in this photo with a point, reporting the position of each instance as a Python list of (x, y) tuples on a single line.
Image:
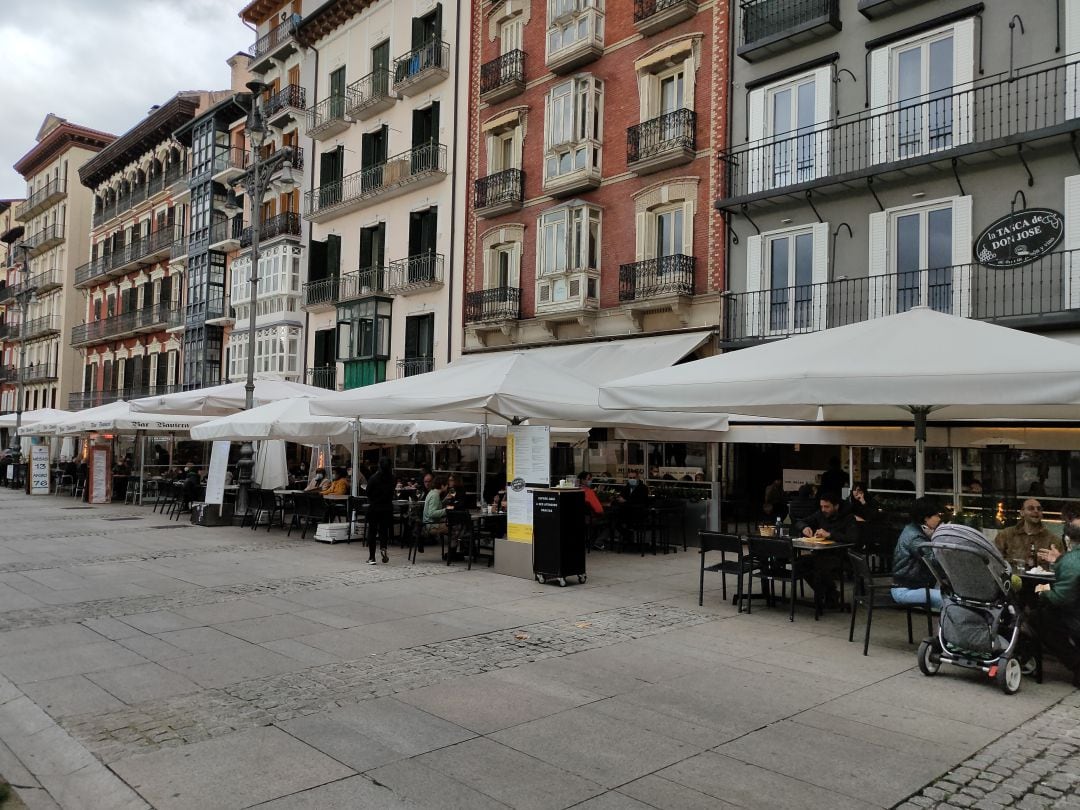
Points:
[(254, 185)]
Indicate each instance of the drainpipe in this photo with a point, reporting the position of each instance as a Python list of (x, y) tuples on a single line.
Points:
[(453, 202), (311, 188)]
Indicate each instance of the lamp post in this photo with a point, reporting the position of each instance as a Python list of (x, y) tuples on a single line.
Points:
[(23, 298), (256, 182)]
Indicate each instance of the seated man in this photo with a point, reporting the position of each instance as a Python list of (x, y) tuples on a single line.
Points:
[(1015, 542), (911, 577), (830, 522), (1060, 626)]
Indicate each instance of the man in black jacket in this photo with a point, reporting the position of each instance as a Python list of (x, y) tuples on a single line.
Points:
[(830, 522), (380, 493)]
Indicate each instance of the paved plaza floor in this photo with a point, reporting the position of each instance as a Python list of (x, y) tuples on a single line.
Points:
[(145, 662)]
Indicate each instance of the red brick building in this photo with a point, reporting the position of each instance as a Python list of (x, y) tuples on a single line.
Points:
[(594, 128)]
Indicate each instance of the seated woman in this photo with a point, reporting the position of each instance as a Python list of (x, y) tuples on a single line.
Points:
[(911, 577), (340, 485), (315, 485), (1060, 625), (434, 510)]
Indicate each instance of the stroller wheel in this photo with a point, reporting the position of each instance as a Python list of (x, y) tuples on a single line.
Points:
[(929, 658), (1009, 675)]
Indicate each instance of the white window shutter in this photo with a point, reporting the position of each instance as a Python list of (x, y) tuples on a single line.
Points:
[(880, 283), (1072, 241), (646, 90), (820, 276), (963, 79), (758, 159), (823, 115), (688, 228), (752, 307), (880, 75), (641, 229), (961, 257), (689, 81)]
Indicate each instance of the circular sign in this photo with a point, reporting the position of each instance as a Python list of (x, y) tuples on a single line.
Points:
[(518, 484), (1019, 238)]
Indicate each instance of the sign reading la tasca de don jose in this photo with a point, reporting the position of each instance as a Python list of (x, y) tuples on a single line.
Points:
[(1019, 238)]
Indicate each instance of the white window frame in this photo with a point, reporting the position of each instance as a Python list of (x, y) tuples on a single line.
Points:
[(764, 146), (512, 34), (572, 22), (512, 250), (586, 127), (759, 282), (882, 284), (497, 140), (885, 107), (576, 223)]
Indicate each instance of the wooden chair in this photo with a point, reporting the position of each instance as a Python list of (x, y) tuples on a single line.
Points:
[(876, 592)]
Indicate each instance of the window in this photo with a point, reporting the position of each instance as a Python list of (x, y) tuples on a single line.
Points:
[(569, 240), (504, 150), (669, 233), (789, 122), (572, 23), (574, 130), (502, 257), (364, 330), (787, 273), (920, 89), (420, 338), (511, 34), (916, 254)]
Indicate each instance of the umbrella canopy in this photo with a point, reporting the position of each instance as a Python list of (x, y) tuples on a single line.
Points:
[(33, 417), (916, 363), (507, 387), (957, 368), (270, 472), (222, 400)]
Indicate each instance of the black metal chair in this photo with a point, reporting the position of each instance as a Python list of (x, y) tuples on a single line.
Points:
[(875, 592), (356, 513), (740, 567), (775, 559), (309, 509)]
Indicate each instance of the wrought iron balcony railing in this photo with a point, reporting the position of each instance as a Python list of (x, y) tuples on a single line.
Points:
[(990, 113), (493, 304), (153, 317), (276, 36), (38, 372), (415, 273), (327, 116), (644, 9), (1019, 296), (41, 199), (45, 238), (286, 224), (291, 95), (39, 327), (411, 366), (321, 292), (428, 62), (503, 73), (365, 281), (656, 278), (234, 160), (323, 377), (671, 132), (766, 19), (226, 231), (80, 400), (505, 188), (369, 92), (399, 171)]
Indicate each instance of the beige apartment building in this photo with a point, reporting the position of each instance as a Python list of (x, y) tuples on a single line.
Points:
[(10, 231), (56, 216)]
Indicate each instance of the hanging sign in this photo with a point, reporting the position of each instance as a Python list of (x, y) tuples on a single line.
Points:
[(1019, 238)]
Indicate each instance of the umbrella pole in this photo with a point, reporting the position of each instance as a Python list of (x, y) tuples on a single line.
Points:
[(142, 468), (920, 412), (355, 458), (483, 462)]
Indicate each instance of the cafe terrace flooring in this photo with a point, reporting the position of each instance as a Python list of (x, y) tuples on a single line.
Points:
[(145, 662)]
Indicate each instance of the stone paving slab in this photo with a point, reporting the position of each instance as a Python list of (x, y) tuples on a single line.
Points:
[(158, 648)]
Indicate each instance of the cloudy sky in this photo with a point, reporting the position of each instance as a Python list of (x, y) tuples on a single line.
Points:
[(104, 63)]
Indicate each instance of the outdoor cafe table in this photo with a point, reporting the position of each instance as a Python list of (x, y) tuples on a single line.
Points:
[(818, 551)]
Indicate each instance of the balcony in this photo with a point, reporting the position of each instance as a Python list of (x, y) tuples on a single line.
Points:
[(45, 239), (141, 252), (411, 366), (876, 9), (176, 173), (971, 124), (657, 285), (225, 234), (502, 77), (416, 168), (217, 311), (415, 274), (8, 374), (328, 118), (281, 226), (39, 284), (1032, 296), (38, 373), (179, 250), (364, 282), (229, 164), (80, 400), (653, 16), (294, 155), (421, 68), (9, 331), (499, 193), (50, 193), (369, 95), (153, 318), (574, 39), (573, 295), (321, 295), (493, 305), (662, 142), (40, 327), (323, 377), (774, 26), (278, 43), (286, 105)]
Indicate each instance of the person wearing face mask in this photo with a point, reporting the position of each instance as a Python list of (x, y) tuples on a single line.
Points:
[(911, 577), (1060, 602), (635, 491)]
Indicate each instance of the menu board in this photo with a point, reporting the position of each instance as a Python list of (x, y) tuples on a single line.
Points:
[(39, 470), (215, 476), (528, 464), (100, 475)]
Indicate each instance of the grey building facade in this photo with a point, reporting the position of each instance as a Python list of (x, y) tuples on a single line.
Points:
[(874, 141)]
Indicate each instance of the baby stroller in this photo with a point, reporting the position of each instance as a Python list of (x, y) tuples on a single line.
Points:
[(980, 626)]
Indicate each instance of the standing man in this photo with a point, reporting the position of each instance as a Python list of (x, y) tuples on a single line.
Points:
[(380, 493), (1016, 541)]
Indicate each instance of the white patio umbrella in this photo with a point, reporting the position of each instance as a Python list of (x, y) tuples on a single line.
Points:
[(904, 366), (221, 400), (30, 418), (269, 471), (118, 417)]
